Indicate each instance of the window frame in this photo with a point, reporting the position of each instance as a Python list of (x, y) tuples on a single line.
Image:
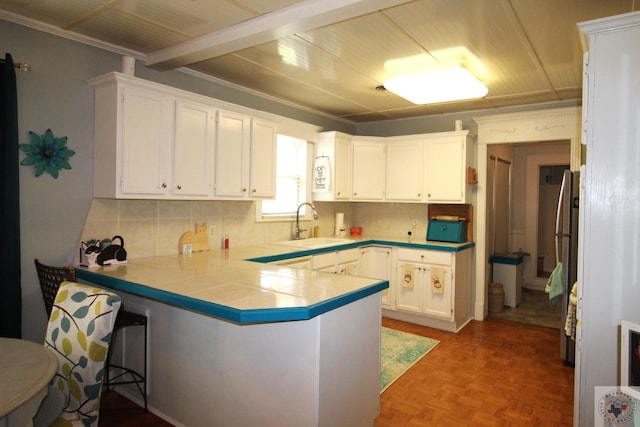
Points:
[(308, 213)]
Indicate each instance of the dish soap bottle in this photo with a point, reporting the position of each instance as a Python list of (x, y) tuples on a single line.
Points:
[(316, 230)]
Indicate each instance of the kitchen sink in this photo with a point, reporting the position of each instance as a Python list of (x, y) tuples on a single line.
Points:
[(315, 242)]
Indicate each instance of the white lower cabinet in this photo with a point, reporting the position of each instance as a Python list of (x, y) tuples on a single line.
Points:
[(375, 262), (427, 287), (303, 262), (341, 262), (432, 288)]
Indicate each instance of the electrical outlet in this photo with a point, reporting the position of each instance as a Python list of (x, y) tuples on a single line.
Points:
[(212, 231)]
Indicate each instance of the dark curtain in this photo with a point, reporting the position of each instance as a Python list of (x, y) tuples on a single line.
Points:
[(10, 292)]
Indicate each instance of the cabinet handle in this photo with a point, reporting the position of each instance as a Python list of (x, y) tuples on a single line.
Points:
[(179, 187), (164, 185)]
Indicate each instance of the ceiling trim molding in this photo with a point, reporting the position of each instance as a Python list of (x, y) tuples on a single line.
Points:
[(299, 17), (56, 31)]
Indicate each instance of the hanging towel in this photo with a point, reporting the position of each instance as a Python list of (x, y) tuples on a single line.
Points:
[(407, 275), (437, 279), (555, 285), (321, 175), (570, 321)]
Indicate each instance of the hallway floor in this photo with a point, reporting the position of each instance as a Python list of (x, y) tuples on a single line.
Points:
[(534, 309)]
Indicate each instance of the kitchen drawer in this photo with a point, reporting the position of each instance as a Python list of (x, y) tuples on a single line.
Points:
[(425, 256)]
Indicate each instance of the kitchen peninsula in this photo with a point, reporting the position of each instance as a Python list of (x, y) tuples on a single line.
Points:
[(234, 342), (236, 339)]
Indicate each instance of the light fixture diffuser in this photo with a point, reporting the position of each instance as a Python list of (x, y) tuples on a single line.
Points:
[(442, 85)]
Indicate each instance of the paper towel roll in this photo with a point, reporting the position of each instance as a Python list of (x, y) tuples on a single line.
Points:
[(339, 223)]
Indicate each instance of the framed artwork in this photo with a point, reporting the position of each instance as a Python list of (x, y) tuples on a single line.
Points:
[(630, 354)]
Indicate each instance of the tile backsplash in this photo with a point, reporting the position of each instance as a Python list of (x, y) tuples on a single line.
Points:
[(154, 227)]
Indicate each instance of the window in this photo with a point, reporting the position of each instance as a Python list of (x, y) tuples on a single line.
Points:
[(291, 182)]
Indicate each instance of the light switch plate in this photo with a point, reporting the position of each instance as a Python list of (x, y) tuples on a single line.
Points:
[(212, 231)]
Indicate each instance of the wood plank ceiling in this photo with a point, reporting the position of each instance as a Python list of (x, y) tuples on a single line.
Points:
[(331, 56)]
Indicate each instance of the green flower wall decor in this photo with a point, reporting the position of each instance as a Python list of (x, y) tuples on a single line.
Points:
[(46, 153)]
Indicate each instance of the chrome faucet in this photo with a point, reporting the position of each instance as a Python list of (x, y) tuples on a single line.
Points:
[(315, 216)]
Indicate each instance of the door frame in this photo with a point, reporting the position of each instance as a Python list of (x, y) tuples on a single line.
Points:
[(515, 128)]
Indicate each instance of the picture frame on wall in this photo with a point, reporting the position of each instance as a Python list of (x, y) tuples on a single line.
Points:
[(630, 355)]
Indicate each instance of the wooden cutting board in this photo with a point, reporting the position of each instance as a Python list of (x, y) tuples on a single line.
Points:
[(199, 240)]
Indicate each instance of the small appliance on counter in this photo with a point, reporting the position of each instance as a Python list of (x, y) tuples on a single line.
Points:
[(447, 228)]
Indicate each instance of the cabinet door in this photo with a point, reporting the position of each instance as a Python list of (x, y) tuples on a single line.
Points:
[(375, 262), (438, 296), (446, 169), (404, 171), (410, 286), (145, 145), (343, 169), (232, 154), (263, 159), (325, 262), (368, 170), (193, 149)]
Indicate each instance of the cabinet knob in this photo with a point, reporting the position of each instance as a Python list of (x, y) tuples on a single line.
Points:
[(419, 195), (253, 190), (244, 190), (355, 194), (179, 187), (164, 185), (338, 193)]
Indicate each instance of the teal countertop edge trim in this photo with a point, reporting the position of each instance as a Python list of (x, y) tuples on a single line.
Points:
[(306, 252), (228, 313)]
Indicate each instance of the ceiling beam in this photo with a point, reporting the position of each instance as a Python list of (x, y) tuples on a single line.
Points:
[(299, 17)]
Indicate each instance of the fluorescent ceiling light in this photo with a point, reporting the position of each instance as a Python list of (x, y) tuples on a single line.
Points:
[(442, 85)]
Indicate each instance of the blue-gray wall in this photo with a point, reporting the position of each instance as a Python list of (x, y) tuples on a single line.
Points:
[(55, 94)]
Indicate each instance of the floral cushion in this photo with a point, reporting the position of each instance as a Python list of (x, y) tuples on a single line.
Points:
[(79, 333)]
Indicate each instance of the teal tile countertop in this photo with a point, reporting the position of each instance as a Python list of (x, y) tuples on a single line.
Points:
[(237, 284)]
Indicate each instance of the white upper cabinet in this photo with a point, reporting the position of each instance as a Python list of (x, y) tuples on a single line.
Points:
[(448, 155), (245, 157), (262, 172), (368, 177), (232, 154), (335, 148), (143, 127), (404, 170), (157, 142), (193, 149)]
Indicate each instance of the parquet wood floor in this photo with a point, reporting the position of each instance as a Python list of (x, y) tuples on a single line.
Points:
[(492, 373)]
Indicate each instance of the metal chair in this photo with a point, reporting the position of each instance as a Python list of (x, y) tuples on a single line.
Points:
[(50, 278)]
